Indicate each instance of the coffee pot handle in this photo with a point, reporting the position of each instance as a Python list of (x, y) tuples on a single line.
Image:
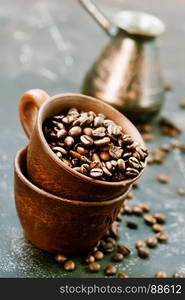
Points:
[(107, 26), (29, 105)]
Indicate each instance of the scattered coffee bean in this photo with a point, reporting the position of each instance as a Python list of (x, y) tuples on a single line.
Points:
[(61, 258), (181, 191), (137, 210), (89, 259), (182, 103), (151, 241), (162, 236), (161, 274), (69, 265), (162, 178), (117, 257), (123, 250), (111, 240), (168, 86), (143, 252), (149, 219), (98, 255), (108, 247), (157, 227), (122, 275), (132, 225), (110, 270), (130, 195), (161, 218), (177, 275), (94, 267), (128, 210), (165, 147), (144, 206), (147, 137), (140, 244)]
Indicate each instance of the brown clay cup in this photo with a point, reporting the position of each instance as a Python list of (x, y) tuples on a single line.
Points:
[(45, 169), (60, 225)]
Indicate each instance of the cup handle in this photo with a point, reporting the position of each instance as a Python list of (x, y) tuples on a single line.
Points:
[(29, 105)]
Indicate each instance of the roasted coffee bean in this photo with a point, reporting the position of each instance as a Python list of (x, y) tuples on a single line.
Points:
[(67, 162), (146, 128), (144, 206), (110, 270), (75, 131), (161, 274), (162, 236), (147, 137), (82, 150), (143, 252), (109, 165), (162, 178), (127, 139), (121, 164), (181, 191), (119, 217), (115, 152), (132, 224), (123, 250), (149, 219), (98, 121), (58, 118), (130, 195), (122, 275), (177, 275), (99, 132), (182, 103), (96, 173), (140, 244), (95, 157), (69, 141), (106, 172), (131, 172), (128, 210), (151, 241), (95, 164), (108, 247), (114, 230), (60, 149), (168, 86), (137, 210), (105, 156), (78, 169), (86, 140), (94, 267), (161, 218), (59, 154), (61, 133), (126, 156), (73, 111), (157, 227), (165, 147), (69, 265), (114, 129), (118, 257), (87, 131), (133, 162), (102, 142), (84, 169), (60, 258), (89, 259), (98, 255)]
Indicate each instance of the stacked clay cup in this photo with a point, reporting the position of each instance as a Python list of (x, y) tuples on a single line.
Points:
[(60, 209)]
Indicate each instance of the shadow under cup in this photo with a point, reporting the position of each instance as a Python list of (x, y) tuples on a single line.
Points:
[(60, 225)]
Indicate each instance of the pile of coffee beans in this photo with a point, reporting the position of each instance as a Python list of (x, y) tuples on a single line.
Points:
[(94, 146)]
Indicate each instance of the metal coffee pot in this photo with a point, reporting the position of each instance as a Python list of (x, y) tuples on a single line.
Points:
[(127, 74)]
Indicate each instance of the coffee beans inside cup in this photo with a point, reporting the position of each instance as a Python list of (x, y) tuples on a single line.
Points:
[(94, 146)]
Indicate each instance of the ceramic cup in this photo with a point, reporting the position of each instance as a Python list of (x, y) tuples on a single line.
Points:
[(60, 225), (45, 169)]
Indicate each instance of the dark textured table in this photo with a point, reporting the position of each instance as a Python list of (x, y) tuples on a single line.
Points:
[(50, 45)]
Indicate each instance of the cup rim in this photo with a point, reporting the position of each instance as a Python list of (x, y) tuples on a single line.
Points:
[(63, 165), (29, 184)]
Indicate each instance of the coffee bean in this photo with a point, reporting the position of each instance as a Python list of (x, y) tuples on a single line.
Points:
[(119, 217), (106, 172), (137, 210), (146, 128), (94, 267), (181, 191), (75, 131), (95, 164), (87, 131), (108, 247), (89, 259), (96, 173), (130, 172), (95, 157), (127, 139), (82, 150), (61, 133), (105, 156), (109, 165), (110, 270), (67, 162), (177, 275), (133, 162), (182, 103), (123, 250), (161, 218), (157, 228), (61, 258), (114, 130), (69, 265), (114, 229), (60, 149), (140, 244), (166, 148), (144, 206), (149, 219), (151, 242), (118, 257), (143, 252), (98, 255), (84, 169), (99, 132), (86, 140), (132, 224), (121, 164), (69, 141), (162, 236), (115, 152), (98, 121), (128, 210), (147, 137), (111, 240), (102, 142), (161, 274), (167, 86), (68, 120), (162, 178), (122, 275), (130, 195)]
